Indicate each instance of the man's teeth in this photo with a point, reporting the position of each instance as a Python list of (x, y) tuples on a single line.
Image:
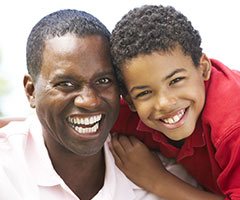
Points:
[(85, 121), (174, 119), (86, 124), (87, 130)]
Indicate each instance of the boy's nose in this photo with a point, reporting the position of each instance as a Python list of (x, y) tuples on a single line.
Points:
[(164, 102), (87, 99)]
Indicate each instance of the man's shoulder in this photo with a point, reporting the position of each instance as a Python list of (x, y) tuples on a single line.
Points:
[(117, 185)]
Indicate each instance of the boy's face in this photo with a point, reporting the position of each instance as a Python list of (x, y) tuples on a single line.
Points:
[(75, 95), (167, 91)]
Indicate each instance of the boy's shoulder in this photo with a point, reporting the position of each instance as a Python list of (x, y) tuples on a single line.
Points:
[(127, 120), (222, 102)]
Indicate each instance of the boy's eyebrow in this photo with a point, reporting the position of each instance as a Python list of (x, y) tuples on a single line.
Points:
[(137, 88), (167, 77), (174, 72)]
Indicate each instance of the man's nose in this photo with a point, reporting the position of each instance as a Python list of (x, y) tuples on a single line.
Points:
[(87, 99)]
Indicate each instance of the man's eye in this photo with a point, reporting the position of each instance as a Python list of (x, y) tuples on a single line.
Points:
[(66, 84), (142, 94), (103, 81), (176, 80)]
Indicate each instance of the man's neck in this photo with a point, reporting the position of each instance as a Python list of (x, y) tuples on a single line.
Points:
[(84, 175)]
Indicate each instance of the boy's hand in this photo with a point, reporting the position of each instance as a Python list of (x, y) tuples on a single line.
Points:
[(135, 160)]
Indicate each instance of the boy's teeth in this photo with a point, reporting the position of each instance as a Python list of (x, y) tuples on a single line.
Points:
[(174, 119)]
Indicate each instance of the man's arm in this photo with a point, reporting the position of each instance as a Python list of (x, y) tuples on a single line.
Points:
[(5, 121)]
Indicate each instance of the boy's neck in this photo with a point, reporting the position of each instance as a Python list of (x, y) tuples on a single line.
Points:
[(177, 144)]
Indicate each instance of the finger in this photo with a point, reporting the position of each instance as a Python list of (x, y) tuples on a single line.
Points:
[(125, 142), (134, 141), (117, 146), (117, 159)]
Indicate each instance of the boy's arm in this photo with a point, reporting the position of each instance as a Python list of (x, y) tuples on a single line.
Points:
[(146, 170)]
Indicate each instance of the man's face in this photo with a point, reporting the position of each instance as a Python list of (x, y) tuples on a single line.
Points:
[(75, 95), (167, 91)]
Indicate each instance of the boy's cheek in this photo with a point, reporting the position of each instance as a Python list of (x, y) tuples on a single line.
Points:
[(128, 99)]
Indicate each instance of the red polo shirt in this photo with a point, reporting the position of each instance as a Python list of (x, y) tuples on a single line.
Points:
[(212, 153)]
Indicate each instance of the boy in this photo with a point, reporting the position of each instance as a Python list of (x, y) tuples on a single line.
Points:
[(187, 106)]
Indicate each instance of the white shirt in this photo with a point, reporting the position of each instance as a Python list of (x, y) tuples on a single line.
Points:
[(26, 172)]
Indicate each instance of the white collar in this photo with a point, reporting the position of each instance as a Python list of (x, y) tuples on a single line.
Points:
[(115, 184)]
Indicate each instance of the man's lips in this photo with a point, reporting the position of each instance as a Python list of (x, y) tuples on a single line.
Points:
[(85, 125)]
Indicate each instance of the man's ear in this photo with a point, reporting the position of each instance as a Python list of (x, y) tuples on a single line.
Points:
[(205, 66), (128, 99), (29, 89)]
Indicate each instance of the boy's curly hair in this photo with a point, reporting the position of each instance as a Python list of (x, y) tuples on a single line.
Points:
[(152, 28)]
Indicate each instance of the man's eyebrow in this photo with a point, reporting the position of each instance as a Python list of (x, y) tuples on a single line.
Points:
[(107, 72), (73, 76), (59, 77), (62, 76), (174, 72)]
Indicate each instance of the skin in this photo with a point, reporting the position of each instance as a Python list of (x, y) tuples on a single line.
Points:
[(76, 82), (167, 91)]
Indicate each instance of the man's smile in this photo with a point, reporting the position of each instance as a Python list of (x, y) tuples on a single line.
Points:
[(85, 125)]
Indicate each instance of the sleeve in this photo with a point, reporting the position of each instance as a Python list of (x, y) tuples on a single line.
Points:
[(228, 157)]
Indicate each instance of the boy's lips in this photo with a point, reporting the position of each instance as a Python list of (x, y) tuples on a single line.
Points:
[(175, 120)]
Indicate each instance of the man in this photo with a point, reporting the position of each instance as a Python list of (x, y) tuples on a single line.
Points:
[(60, 152)]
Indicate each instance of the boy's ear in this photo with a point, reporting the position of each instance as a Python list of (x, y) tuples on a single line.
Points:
[(128, 99), (205, 66), (29, 89)]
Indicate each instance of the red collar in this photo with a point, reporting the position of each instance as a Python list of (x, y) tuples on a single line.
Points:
[(193, 141)]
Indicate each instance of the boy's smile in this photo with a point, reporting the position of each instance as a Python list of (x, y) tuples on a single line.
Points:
[(167, 90)]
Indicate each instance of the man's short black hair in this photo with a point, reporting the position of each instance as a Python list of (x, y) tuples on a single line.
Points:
[(58, 24)]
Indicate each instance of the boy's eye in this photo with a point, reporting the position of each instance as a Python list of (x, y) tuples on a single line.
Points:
[(143, 94), (176, 80), (103, 81)]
